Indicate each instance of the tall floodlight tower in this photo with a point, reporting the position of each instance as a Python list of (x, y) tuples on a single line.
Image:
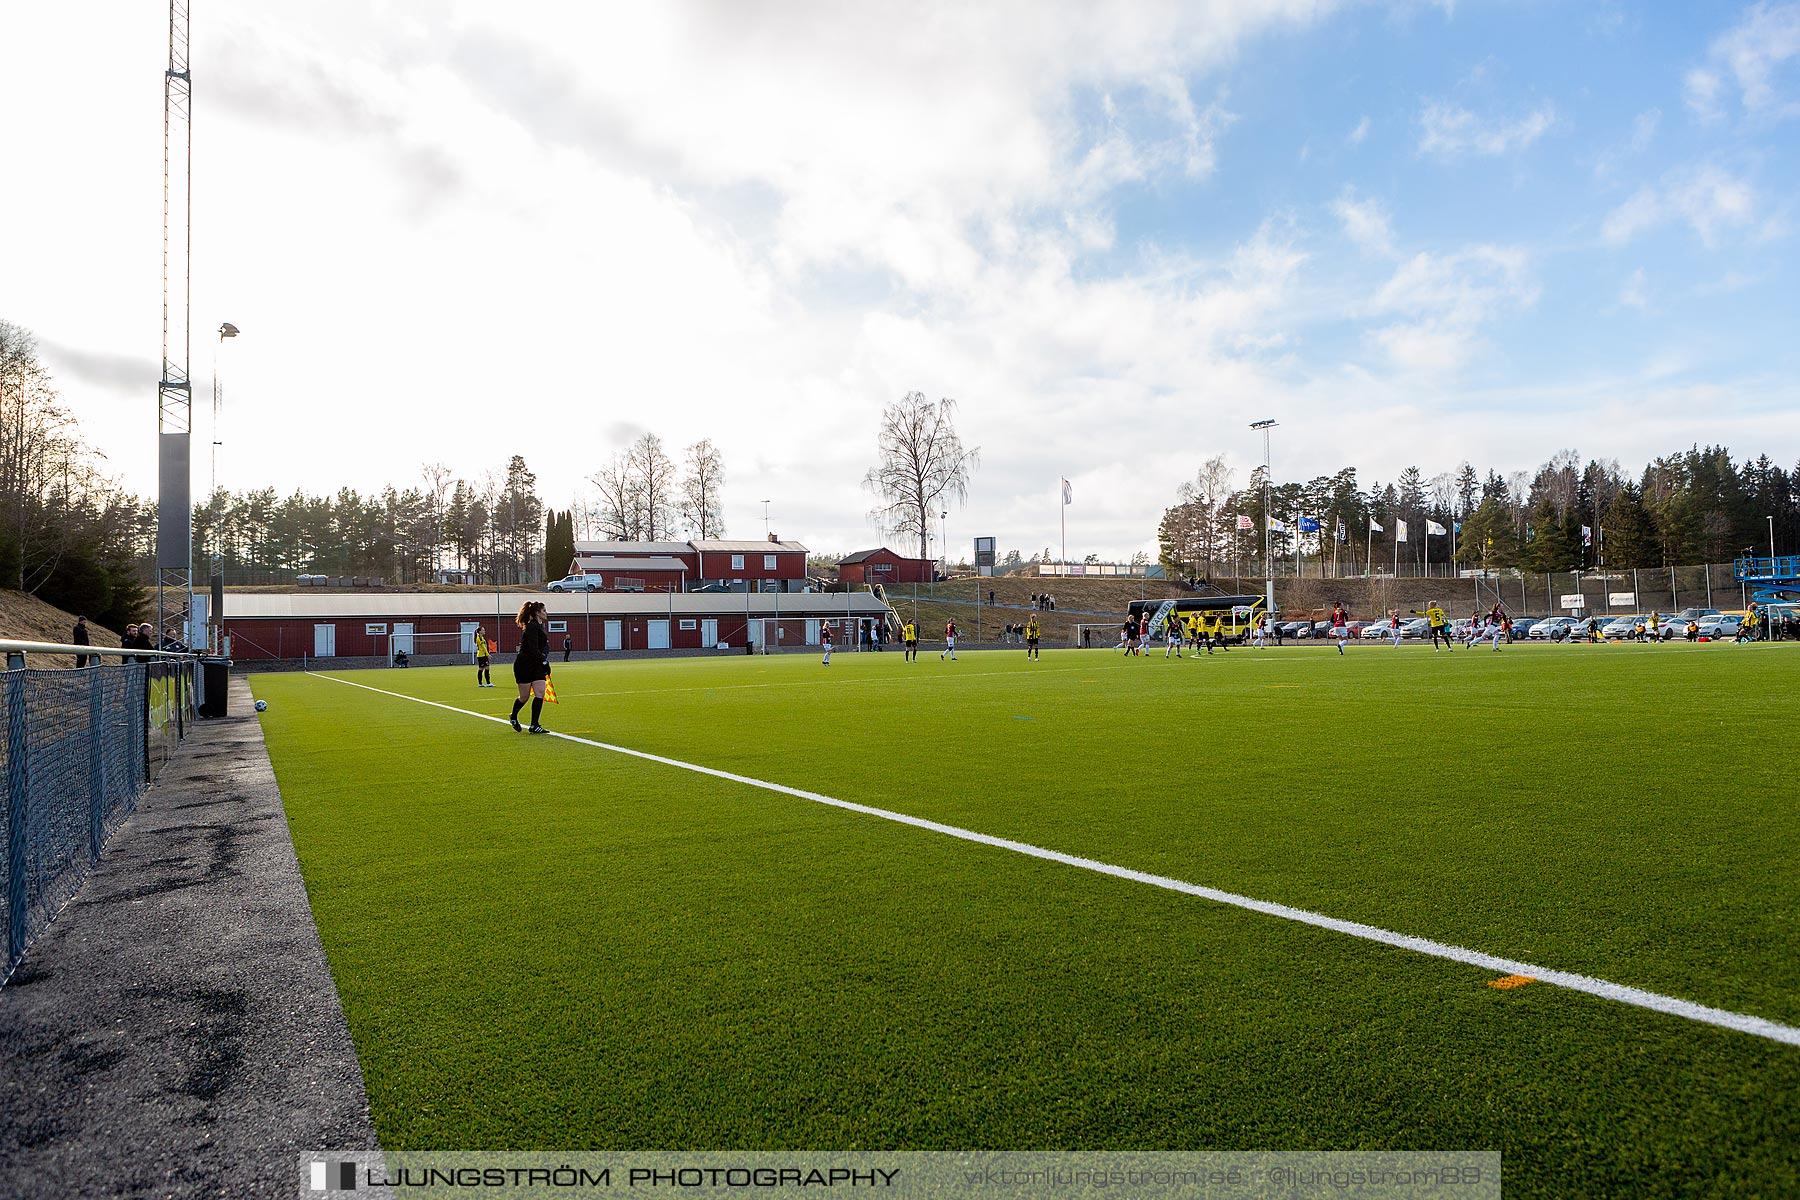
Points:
[(175, 395)]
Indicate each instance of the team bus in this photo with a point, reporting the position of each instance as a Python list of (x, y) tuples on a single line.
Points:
[(1233, 613)]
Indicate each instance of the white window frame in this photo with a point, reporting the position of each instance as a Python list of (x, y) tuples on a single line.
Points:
[(769, 562), (375, 629), (737, 562), (559, 627), (687, 624)]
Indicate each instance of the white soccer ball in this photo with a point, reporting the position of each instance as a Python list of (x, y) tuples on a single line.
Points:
[(262, 706)]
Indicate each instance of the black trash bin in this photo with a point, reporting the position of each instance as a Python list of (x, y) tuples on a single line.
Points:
[(216, 680)]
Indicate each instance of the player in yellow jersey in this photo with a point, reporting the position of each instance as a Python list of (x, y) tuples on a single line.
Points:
[(1439, 622), (1032, 633), (909, 638), (483, 655)]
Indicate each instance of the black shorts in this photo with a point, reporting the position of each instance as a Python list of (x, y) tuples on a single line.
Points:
[(913, 644), (530, 672), (482, 662), (1031, 641)]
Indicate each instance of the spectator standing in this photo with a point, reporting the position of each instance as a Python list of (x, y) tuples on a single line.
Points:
[(80, 638)]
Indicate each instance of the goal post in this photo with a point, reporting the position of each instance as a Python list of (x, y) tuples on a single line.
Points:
[(1096, 635), (451, 644)]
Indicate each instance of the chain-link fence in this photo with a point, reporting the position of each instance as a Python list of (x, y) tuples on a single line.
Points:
[(78, 750)]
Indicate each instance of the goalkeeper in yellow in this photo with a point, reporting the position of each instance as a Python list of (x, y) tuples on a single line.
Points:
[(1032, 633), (483, 657), (1439, 622)]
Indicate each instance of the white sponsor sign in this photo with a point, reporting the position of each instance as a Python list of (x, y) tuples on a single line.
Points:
[(1621, 599), (1575, 601)]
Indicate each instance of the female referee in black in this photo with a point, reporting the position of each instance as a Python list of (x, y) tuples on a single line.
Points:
[(531, 667)]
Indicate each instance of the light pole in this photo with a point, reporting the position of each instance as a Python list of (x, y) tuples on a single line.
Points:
[(1268, 561), (216, 561), (765, 504), (944, 542), (1771, 544)]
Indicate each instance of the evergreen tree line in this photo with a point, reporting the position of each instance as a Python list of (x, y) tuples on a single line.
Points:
[(68, 534), (488, 529), (1683, 509)]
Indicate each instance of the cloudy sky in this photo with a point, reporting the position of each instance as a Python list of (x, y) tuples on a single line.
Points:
[(1412, 233)]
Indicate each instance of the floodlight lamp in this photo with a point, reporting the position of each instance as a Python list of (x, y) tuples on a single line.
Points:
[(228, 330)]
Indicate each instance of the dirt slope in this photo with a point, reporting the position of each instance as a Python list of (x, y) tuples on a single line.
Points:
[(25, 618)]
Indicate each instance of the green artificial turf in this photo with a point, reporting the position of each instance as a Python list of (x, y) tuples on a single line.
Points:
[(542, 944)]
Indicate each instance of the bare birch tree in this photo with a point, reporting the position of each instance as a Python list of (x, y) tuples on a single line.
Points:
[(923, 465), (701, 505)]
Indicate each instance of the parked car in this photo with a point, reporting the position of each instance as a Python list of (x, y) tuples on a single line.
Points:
[(1725, 625), (1521, 628), (575, 583), (1373, 630), (1547, 629), (1621, 627), (1696, 614)]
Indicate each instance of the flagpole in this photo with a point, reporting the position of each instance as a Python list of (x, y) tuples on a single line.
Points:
[(1428, 548), (1368, 549)]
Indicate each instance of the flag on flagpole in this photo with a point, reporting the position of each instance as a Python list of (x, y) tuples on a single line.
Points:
[(1277, 526), (1400, 531), (1245, 522), (1587, 537), (1456, 525), (1068, 493), (1432, 527), (1375, 527), (1341, 535), (1309, 524)]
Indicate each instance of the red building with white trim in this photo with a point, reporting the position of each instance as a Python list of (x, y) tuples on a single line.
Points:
[(267, 626), (883, 566)]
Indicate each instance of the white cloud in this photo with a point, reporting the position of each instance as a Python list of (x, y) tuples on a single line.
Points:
[(1754, 54), (1709, 199), (1365, 222), (1449, 130), (1634, 292), (1442, 302), (1357, 136)]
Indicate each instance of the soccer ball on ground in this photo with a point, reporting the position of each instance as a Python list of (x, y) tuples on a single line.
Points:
[(262, 706)]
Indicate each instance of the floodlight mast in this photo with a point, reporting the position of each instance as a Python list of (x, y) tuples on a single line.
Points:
[(1268, 559), (175, 394)]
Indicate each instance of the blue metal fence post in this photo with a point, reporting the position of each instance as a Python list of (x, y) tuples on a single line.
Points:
[(17, 787), (97, 734)]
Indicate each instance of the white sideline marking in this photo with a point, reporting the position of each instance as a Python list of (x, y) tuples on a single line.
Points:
[(1655, 1001)]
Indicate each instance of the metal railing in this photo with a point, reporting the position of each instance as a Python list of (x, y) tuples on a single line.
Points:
[(79, 747)]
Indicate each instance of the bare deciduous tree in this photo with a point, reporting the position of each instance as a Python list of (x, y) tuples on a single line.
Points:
[(701, 505), (923, 465), (654, 472)]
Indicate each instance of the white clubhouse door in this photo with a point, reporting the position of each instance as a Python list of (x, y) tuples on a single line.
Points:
[(467, 644), (659, 635), (709, 632), (403, 643), (615, 635), (324, 641)]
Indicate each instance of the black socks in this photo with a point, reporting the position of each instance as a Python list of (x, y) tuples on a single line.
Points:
[(537, 708)]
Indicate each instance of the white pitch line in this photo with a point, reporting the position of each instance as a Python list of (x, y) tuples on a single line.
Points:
[(1637, 997)]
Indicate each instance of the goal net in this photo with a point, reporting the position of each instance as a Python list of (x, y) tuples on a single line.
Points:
[(407, 646), (1097, 635)]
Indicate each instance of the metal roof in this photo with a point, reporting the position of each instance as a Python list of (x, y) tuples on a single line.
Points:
[(863, 555), (612, 565), (765, 546), (636, 549), (388, 605)]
